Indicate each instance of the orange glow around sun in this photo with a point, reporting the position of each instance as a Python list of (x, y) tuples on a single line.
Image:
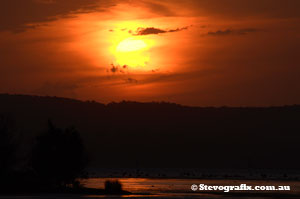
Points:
[(132, 52), (115, 42)]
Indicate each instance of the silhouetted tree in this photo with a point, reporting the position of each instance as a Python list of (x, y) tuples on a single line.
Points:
[(59, 157), (8, 153), (7, 146), (113, 186)]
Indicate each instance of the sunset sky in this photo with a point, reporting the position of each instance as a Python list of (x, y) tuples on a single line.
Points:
[(192, 52)]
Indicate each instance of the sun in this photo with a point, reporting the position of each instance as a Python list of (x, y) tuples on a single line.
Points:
[(130, 44), (132, 52)]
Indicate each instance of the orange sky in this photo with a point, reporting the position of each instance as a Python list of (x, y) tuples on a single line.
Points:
[(193, 52)]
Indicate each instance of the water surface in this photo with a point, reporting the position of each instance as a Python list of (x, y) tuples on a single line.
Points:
[(143, 188)]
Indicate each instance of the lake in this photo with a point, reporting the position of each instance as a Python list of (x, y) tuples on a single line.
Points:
[(181, 188), (143, 188)]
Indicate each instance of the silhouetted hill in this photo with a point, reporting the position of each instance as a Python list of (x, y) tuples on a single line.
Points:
[(132, 134)]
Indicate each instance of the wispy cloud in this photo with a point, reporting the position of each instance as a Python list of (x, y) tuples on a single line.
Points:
[(15, 15), (155, 31), (159, 7), (240, 9), (232, 31), (131, 80), (220, 32)]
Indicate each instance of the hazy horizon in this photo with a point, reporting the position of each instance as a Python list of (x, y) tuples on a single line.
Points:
[(143, 102)]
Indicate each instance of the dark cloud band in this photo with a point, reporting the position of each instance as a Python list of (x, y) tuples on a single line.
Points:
[(155, 31)]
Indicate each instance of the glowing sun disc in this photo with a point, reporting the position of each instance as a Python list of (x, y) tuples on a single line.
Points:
[(129, 45)]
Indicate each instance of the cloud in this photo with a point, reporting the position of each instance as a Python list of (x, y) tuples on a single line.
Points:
[(220, 32), (232, 32), (155, 31), (19, 15), (158, 7), (118, 68), (144, 79), (131, 80), (149, 31), (240, 9), (114, 68)]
